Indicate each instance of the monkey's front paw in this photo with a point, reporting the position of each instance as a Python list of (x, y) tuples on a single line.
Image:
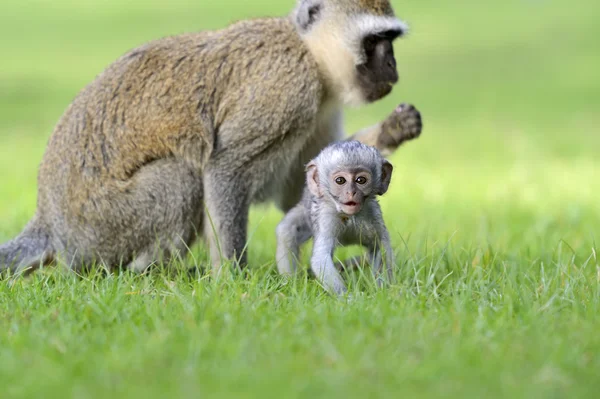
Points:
[(402, 125)]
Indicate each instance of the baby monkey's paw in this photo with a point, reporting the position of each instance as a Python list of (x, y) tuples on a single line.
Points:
[(402, 125)]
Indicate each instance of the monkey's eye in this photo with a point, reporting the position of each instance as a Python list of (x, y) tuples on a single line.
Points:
[(340, 180), (361, 180), (369, 43)]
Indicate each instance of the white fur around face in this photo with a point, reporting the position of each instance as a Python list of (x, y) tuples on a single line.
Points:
[(336, 62), (363, 25), (367, 23), (337, 48)]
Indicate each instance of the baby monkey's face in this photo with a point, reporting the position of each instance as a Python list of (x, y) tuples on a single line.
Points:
[(350, 188)]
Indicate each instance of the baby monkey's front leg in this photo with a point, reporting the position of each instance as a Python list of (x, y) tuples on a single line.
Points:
[(322, 264), (293, 231)]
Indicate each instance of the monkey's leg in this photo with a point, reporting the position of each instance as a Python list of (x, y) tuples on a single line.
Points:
[(226, 217), (153, 216), (292, 232), (170, 193), (403, 124), (322, 265)]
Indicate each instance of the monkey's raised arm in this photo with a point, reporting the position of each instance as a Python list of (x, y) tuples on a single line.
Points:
[(403, 124)]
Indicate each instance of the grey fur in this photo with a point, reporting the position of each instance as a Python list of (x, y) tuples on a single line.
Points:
[(318, 217)]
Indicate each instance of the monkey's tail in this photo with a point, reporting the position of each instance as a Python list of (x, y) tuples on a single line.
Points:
[(29, 250)]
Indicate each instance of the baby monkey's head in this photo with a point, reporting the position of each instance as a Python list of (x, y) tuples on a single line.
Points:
[(346, 174)]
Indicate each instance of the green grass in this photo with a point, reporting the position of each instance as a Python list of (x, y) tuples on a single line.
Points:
[(494, 214)]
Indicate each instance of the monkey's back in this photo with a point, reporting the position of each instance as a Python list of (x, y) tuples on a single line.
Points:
[(168, 99)]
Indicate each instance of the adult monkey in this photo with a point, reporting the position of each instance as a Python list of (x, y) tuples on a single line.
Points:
[(206, 122)]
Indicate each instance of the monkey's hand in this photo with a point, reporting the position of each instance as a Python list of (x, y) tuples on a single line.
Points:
[(401, 125)]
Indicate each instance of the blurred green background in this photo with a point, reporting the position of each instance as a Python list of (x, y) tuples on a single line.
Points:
[(494, 212)]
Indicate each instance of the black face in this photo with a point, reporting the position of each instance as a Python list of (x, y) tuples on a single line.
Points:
[(378, 74)]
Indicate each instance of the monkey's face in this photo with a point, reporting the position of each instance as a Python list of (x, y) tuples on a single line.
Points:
[(351, 41), (378, 74), (350, 188)]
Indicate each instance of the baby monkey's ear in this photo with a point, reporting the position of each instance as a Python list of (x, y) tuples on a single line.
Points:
[(386, 177), (312, 179)]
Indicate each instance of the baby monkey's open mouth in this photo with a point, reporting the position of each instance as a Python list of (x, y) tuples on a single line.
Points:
[(351, 208)]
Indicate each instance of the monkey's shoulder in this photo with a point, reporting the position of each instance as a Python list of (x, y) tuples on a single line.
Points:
[(311, 203)]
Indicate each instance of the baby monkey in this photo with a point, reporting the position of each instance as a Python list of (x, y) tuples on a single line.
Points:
[(339, 206)]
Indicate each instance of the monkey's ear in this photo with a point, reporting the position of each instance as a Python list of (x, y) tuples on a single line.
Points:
[(386, 177), (312, 179), (307, 13)]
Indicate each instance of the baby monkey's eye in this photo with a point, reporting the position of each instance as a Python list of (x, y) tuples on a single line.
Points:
[(361, 180), (340, 180)]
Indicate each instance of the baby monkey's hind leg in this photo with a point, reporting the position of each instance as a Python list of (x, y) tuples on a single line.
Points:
[(292, 232)]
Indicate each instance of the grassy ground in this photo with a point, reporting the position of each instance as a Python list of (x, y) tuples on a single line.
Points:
[(494, 213)]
